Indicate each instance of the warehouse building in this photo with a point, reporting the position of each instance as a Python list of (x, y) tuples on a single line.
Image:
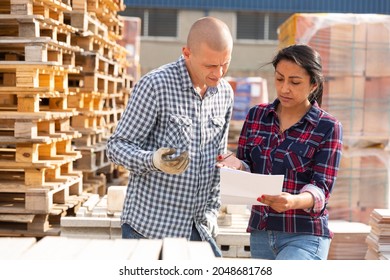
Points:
[(254, 25)]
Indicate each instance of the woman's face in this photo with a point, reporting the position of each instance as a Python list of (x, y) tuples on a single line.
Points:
[(292, 84)]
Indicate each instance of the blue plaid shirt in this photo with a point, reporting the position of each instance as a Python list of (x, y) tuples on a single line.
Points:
[(164, 110), (307, 154)]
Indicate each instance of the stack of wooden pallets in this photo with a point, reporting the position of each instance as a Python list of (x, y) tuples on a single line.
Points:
[(38, 182), (63, 87), (102, 88)]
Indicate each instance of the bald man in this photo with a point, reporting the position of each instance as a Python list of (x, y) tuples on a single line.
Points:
[(173, 128)]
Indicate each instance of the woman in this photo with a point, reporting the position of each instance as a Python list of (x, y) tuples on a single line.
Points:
[(292, 136)]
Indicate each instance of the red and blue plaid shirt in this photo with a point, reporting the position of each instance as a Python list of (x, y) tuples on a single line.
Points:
[(307, 154)]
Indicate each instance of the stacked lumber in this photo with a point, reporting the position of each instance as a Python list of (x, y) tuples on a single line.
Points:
[(63, 248), (348, 242), (378, 240)]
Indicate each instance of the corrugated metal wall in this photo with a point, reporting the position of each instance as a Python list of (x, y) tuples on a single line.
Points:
[(328, 6)]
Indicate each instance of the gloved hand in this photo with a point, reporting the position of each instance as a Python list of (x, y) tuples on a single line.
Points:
[(212, 224), (176, 165)]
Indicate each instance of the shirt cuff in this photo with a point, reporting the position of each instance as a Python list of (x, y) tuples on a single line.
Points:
[(246, 166), (318, 195)]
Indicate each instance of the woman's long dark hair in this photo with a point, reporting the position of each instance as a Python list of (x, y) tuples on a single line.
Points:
[(306, 57)]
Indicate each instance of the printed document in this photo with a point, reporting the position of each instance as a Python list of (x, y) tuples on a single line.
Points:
[(240, 187)]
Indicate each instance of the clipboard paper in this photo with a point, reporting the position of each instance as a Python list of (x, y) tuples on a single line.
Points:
[(243, 188)]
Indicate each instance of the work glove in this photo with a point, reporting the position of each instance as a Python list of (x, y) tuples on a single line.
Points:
[(212, 224), (166, 164)]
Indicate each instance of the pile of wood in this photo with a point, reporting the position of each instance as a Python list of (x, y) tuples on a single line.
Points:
[(81, 249), (348, 242), (63, 87), (378, 240)]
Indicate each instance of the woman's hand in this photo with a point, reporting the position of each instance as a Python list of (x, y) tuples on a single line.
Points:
[(286, 201), (229, 160)]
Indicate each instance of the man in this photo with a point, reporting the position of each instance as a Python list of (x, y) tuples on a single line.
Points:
[(174, 127)]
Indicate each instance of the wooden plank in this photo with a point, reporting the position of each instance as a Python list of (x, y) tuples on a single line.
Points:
[(147, 249), (175, 249), (117, 249), (38, 116), (25, 218), (13, 247), (64, 248), (200, 251), (55, 248)]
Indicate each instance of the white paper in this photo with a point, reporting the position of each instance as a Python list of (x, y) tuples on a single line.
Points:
[(243, 188)]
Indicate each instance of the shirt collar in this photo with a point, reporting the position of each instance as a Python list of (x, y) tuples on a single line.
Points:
[(312, 116), (184, 75)]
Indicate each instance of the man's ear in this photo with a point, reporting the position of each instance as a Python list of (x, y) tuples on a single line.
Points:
[(186, 52)]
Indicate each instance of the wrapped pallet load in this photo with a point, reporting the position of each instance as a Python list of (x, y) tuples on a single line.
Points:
[(353, 48)]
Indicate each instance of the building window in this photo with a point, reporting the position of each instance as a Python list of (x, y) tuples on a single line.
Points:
[(155, 23), (259, 26)]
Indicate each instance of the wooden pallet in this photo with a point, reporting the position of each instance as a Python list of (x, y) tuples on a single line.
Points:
[(37, 173), (106, 12), (18, 76), (93, 158), (95, 63), (95, 184), (94, 43), (35, 26), (54, 153), (27, 225), (95, 82), (41, 49), (40, 225), (89, 138), (14, 130), (87, 24), (22, 199), (53, 9), (87, 101)]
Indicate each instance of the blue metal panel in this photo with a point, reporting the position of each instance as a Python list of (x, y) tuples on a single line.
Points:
[(289, 6)]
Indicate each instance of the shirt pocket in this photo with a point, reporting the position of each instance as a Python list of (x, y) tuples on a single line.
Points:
[(299, 157), (178, 133), (256, 152), (215, 130)]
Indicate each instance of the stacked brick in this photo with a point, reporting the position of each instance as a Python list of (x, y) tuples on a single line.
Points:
[(63, 87), (353, 48)]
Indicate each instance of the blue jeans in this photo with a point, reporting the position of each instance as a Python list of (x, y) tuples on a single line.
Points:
[(277, 245), (129, 233)]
